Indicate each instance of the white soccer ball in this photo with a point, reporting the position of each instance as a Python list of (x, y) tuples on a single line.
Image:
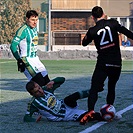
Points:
[(108, 112)]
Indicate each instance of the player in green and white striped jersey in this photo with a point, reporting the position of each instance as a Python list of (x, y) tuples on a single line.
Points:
[(45, 102), (26, 40)]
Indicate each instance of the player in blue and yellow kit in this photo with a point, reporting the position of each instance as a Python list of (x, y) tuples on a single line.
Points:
[(24, 49)]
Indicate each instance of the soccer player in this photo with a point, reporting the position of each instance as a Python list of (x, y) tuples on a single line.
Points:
[(26, 41), (109, 63), (45, 102)]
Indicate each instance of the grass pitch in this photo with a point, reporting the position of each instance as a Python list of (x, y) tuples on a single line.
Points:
[(78, 74)]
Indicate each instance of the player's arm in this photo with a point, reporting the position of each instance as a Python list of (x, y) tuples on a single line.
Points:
[(87, 39), (28, 118), (20, 35), (30, 110), (124, 31), (14, 49)]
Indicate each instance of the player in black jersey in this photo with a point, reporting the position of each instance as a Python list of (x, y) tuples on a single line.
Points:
[(106, 39)]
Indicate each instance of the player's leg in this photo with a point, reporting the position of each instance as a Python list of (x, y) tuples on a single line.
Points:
[(71, 100), (36, 71), (58, 81), (113, 76), (97, 81), (42, 81), (42, 73), (96, 116)]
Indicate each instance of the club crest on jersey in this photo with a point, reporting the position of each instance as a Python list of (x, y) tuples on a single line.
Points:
[(51, 101), (35, 40)]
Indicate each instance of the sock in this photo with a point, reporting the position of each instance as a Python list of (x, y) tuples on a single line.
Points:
[(84, 94)]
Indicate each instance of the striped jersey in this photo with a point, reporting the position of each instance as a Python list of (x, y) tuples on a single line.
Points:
[(26, 41), (48, 105)]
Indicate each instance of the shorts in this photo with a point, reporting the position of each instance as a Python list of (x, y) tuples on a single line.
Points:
[(72, 114), (33, 66)]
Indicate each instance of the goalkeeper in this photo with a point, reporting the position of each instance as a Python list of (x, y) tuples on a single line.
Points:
[(26, 41), (45, 102)]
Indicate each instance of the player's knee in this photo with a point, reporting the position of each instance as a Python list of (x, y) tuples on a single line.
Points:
[(42, 81)]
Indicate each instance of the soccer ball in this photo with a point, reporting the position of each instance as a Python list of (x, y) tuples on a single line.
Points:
[(108, 112)]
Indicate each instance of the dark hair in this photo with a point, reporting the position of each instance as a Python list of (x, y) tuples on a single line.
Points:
[(97, 12), (31, 13), (30, 86)]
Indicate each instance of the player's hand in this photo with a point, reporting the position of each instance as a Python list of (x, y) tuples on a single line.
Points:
[(21, 65), (50, 84), (39, 118)]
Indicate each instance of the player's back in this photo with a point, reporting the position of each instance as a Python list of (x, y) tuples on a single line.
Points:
[(106, 40), (104, 33)]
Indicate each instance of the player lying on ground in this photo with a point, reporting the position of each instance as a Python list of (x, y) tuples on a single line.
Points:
[(45, 102)]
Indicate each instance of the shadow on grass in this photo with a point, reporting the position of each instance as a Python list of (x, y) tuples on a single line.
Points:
[(16, 98), (15, 102), (13, 84)]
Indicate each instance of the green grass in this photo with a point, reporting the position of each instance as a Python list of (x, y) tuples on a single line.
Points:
[(14, 97), (127, 66), (61, 66)]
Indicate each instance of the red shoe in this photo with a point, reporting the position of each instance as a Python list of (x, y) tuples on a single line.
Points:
[(86, 117)]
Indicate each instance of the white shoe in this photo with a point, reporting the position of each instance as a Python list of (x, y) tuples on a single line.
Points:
[(117, 116)]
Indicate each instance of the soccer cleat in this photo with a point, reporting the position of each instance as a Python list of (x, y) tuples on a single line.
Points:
[(87, 117), (97, 116)]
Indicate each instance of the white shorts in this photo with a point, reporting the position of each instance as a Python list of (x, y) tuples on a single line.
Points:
[(34, 66), (72, 114)]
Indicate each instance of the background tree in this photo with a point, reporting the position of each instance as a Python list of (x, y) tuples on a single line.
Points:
[(12, 17)]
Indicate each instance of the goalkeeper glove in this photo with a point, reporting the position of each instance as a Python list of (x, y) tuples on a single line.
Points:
[(21, 65)]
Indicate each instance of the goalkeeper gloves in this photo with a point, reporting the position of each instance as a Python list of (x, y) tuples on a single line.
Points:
[(21, 65)]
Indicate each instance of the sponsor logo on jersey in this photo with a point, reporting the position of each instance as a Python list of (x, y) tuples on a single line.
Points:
[(51, 101), (110, 45), (35, 40)]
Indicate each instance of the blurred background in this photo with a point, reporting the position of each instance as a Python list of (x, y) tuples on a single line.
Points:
[(62, 23)]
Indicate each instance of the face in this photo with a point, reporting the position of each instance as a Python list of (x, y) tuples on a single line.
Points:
[(32, 21), (37, 91)]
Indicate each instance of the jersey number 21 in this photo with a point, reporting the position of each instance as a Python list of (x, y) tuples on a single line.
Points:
[(105, 31)]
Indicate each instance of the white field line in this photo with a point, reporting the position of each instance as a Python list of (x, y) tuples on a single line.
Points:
[(6, 62), (97, 125)]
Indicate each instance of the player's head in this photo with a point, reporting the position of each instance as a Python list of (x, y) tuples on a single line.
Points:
[(34, 89), (32, 18), (97, 12)]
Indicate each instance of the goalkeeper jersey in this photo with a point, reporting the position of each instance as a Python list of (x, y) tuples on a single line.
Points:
[(26, 40)]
